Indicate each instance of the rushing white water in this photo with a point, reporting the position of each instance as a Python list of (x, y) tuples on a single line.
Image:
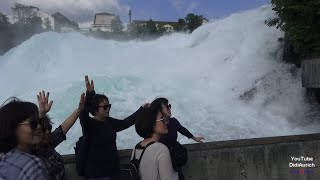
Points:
[(224, 81)]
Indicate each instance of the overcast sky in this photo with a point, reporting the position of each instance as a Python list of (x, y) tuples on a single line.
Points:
[(83, 11)]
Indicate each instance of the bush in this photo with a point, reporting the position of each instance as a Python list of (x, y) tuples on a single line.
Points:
[(300, 20)]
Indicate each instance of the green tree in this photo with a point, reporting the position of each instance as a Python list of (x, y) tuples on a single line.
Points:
[(27, 25), (26, 17), (181, 25), (22, 12), (35, 24), (132, 29), (4, 20), (161, 30), (5, 34), (116, 25), (300, 20), (193, 21), (151, 28)]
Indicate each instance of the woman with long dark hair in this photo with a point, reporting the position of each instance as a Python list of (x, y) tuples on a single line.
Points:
[(170, 139), (18, 123)]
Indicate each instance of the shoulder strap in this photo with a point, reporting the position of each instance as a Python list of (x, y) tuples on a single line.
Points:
[(134, 150), (134, 155)]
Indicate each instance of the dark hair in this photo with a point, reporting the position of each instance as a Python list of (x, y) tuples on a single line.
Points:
[(157, 103), (11, 114), (145, 122), (96, 100), (46, 123)]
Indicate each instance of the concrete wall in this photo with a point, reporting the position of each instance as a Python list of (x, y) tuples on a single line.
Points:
[(310, 73), (252, 159)]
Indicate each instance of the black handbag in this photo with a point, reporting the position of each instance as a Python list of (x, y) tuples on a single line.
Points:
[(179, 155), (81, 153)]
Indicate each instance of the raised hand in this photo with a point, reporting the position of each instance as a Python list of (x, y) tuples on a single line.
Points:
[(89, 86), (82, 102), (68, 123), (44, 104)]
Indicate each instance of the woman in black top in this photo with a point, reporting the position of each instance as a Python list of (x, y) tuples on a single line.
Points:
[(102, 159), (174, 127)]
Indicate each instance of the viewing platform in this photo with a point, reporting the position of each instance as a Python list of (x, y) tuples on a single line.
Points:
[(266, 158)]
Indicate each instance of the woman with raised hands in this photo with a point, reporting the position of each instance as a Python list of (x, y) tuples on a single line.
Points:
[(102, 159), (51, 139)]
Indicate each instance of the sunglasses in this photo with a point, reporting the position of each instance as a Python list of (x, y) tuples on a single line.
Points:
[(168, 106), (43, 129), (33, 123), (105, 107), (164, 120)]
